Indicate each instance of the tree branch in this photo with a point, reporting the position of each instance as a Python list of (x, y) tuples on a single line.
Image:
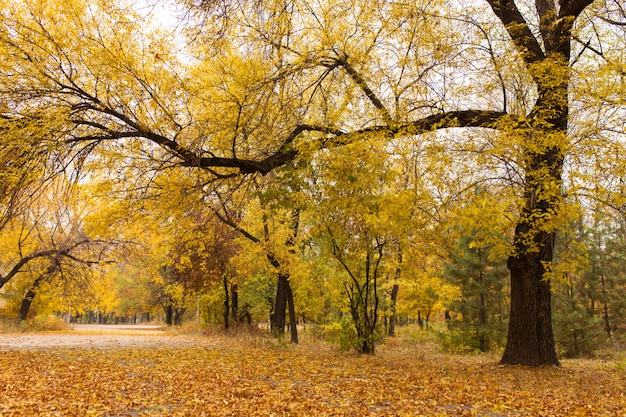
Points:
[(360, 81), (517, 27)]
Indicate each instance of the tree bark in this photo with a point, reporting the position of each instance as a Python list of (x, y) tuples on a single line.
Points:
[(482, 313), (293, 324), (26, 303), (169, 315), (179, 313), (280, 305), (530, 339), (234, 308), (392, 318)]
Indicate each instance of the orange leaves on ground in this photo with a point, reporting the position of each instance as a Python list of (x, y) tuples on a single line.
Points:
[(228, 378)]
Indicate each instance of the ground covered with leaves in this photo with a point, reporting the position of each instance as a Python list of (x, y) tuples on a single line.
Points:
[(217, 376)]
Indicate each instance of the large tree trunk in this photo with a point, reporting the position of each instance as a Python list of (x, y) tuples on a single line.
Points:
[(279, 319), (364, 332), (169, 314), (530, 340), (179, 313), (546, 54), (26, 303)]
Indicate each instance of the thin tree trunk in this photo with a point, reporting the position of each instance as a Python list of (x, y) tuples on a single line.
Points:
[(482, 314), (392, 318), (293, 325), (226, 303), (607, 323), (234, 297)]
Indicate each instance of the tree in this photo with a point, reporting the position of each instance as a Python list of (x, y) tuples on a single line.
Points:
[(356, 224), (589, 282), (47, 246), (285, 79), (273, 231), (476, 264), (200, 255), (482, 301)]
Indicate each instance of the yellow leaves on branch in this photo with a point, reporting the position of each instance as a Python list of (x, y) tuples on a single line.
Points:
[(227, 378)]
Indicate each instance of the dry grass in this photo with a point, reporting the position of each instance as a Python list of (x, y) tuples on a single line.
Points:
[(36, 324)]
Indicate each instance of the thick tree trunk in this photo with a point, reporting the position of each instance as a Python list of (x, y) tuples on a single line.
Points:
[(367, 346), (169, 315), (364, 332), (530, 339), (179, 313), (26, 303), (280, 305)]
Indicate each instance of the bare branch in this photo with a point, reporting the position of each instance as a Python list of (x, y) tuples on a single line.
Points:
[(518, 29), (360, 81)]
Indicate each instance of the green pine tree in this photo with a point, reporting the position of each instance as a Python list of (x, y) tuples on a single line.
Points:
[(479, 319)]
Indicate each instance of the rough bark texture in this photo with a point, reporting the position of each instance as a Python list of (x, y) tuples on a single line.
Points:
[(530, 339), (284, 300)]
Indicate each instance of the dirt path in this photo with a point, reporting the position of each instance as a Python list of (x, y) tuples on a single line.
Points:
[(98, 336)]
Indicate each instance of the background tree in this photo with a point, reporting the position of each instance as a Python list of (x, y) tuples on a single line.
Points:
[(476, 265), (47, 247)]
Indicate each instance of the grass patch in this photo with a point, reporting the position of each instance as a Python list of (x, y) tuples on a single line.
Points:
[(38, 323)]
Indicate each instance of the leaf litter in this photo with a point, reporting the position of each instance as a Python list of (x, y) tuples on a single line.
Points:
[(216, 376)]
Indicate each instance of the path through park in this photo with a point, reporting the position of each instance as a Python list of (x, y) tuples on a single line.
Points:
[(97, 336)]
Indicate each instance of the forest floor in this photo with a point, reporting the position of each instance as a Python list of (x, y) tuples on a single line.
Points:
[(149, 372)]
